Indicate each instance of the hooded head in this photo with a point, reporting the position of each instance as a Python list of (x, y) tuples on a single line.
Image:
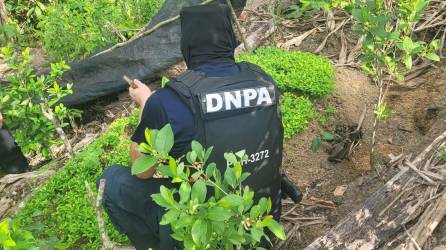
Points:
[(207, 36)]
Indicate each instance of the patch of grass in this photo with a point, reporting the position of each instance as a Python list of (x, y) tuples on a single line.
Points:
[(61, 206), (295, 71), (297, 111)]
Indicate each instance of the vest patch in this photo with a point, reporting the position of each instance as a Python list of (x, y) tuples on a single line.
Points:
[(237, 99)]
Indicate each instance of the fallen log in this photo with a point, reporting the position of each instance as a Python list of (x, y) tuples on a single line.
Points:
[(14, 188), (382, 220)]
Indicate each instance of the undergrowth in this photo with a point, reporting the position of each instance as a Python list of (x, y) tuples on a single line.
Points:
[(296, 71), (301, 76), (296, 113), (73, 29), (60, 208)]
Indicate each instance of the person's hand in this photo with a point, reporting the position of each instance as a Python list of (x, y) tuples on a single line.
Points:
[(1, 120), (140, 93)]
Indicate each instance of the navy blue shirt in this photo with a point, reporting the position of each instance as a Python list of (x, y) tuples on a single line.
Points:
[(165, 106)]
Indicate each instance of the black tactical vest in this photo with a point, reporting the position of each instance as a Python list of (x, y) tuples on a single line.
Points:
[(234, 113)]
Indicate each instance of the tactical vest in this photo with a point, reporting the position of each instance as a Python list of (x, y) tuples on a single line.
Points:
[(235, 113)]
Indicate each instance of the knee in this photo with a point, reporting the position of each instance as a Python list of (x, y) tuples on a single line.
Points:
[(109, 174)]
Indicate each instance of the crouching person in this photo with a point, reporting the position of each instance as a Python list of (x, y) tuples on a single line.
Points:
[(218, 102), (12, 160)]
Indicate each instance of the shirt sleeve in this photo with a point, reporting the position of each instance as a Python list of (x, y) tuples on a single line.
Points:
[(153, 117)]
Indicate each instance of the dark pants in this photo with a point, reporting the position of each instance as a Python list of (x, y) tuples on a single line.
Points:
[(12, 160), (130, 208)]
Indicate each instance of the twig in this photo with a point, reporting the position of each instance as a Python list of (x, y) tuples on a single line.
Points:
[(145, 33), (429, 180), (237, 24), (115, 30), (412, 239), (106, 243), (321, 47), (48, 113)]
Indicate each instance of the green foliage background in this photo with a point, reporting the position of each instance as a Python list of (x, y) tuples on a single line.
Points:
[(301, 76), (61, 208), (295, 71), (73, 29)]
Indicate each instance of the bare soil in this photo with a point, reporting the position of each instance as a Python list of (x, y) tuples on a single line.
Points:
[(416, 109)]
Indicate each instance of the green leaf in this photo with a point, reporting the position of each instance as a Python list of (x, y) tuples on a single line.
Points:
[(230, 157), (210, 170), (407, 59), (231, 200), (164, 140), (218, 214), (316, 143), (238, 170), (229, 176), (197, 147), (158, 199), (167, 195), (266, 221), (240, 153), (277, 229), (263, 204), (434, 57), (326, 136), (199, 231), (256, 234), (184, 191), (169, 217), (208, 154), (143, 163), (199, 191)]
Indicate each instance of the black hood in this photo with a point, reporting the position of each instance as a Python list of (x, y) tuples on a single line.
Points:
[(207, 36)]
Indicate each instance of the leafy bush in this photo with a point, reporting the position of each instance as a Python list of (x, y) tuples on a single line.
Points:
[(73, 29), (224, 218), (295, 70), (12, 237), (26, 99), (61, 206), (296, 113)]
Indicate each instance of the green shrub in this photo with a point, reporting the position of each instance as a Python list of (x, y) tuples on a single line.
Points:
[(61, 205), (227, 218), (295, 70), (26, 99), (296, 113), (73, 29)]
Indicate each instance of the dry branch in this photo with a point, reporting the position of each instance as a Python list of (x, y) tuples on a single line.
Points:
[(400, 202), (48, 113), (14, 188), (107, 244)]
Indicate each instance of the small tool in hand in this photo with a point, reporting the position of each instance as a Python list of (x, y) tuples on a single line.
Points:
[(130, 82)]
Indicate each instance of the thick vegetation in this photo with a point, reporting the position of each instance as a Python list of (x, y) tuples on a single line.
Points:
[(74, 29), (296, 113), (29, 98), (295, 71), (216, 211), (300, 76), (60, 208)]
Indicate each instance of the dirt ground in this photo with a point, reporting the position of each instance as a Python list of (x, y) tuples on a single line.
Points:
[(415, 110)]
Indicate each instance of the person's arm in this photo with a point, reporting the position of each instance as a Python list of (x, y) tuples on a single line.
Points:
[(135, 154), (1, 120), (140, 94)]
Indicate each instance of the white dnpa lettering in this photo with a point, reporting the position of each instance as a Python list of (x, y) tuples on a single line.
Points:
[(237, 99)]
